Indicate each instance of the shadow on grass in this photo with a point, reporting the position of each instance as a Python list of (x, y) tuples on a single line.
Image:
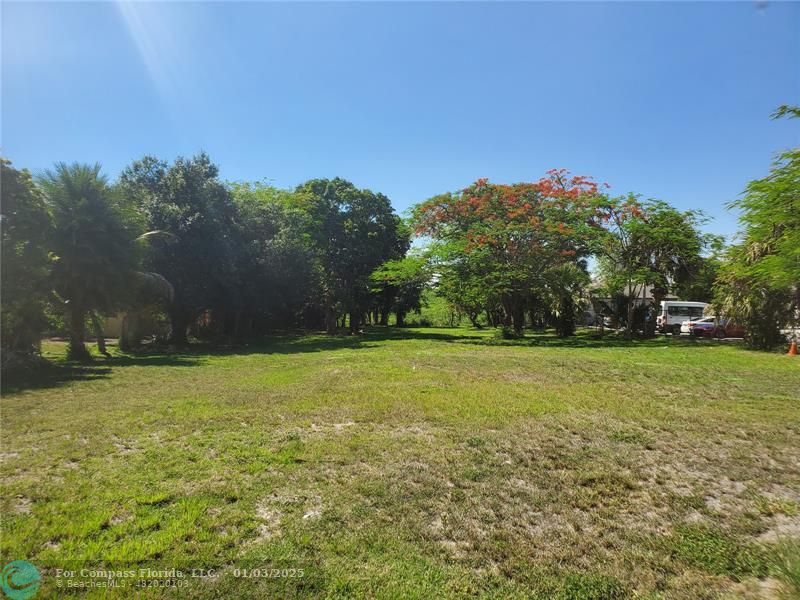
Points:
[(590, 340), (293, 342), (61, 372)]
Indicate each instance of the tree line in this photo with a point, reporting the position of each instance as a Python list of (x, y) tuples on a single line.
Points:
[(246, 258)]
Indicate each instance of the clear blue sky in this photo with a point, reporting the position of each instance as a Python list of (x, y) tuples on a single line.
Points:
[(668, 100)]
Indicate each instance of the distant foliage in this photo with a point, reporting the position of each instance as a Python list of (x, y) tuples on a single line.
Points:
[(399, 285)]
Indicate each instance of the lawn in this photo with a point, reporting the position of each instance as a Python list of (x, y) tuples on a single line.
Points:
[(418, 463)]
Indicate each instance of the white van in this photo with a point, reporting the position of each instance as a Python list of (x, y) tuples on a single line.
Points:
[(675, 312)]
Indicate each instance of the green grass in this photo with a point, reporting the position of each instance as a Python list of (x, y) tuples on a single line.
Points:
[(417, 463)]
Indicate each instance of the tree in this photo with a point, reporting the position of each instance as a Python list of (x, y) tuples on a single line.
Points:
[(275, 260), (353, 231), (460, 280), (398, 284), (507, 237), (745, 298), (188, 201), (647, 243), (699, 286), (759, 284), (94, 243), (565, 285), (26, 225)]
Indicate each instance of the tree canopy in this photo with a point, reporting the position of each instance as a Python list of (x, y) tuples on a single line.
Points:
[(759, 282), (26, 225), (187, 201), (505, 242), (353, 231)]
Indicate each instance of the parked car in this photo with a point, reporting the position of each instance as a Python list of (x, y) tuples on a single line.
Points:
[(672, 313), (697, 325), (729, 329), (709, 327)]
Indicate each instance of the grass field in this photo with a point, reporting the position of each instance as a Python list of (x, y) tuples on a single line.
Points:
[(418, 464)]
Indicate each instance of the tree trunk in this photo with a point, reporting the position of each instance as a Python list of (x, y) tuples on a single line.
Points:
[(566, 317), (355, 321), (178, 326), (631, 307), (330, 320), (242, 325), (99, 334), (518, 317), (401, 318), (123, 342), (77, 335), (473, 318), (659, 294), (129, 336), (515, 314), (649, 325)]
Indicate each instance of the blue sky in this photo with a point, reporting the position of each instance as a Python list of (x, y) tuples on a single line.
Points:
[(669, 100)]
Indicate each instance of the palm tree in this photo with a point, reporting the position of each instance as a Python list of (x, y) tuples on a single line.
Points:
[(94, 242)]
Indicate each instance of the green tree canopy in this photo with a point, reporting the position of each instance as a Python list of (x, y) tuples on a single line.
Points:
[(26, 226), (187, 201), (759, 284), (275, 259), (353, 231)]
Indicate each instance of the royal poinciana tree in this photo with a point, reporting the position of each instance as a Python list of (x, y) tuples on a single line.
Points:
[(514, 239)]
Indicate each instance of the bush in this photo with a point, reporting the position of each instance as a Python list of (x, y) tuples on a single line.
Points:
[(18, 366)]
